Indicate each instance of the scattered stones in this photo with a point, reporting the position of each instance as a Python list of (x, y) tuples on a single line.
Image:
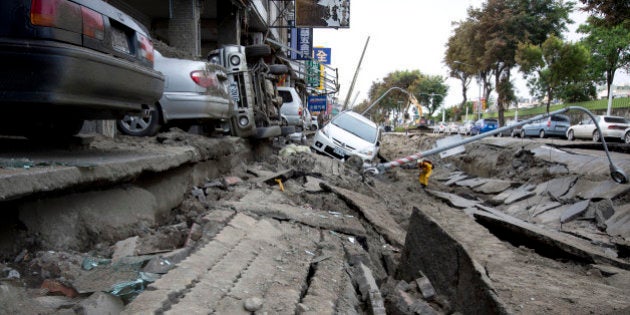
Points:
[(253, 304), (426, 288), (125, 248)]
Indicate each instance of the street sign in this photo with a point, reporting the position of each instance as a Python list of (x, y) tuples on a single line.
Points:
[(322, 55), (302, 41), (316, 103), (312, 73)]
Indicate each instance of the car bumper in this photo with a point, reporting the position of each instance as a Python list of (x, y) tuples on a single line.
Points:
[(194, 106), (51, 76), (324, 145)]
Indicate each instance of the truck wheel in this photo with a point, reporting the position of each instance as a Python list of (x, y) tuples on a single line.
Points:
[(278, 69), (257, 51)]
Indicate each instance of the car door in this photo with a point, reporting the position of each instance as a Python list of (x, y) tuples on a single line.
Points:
[(584, 129)]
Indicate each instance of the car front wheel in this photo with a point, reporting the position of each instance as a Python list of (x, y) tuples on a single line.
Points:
[(626, 138), (141, 126), (570, 135)]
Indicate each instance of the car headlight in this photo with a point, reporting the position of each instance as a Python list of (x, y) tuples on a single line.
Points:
[(325, 131), (367, 151), (235, 60)]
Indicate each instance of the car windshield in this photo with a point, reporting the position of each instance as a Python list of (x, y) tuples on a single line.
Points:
[(356, 127)]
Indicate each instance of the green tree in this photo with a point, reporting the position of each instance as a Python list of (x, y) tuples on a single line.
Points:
[(505, 23), (609, 12), (609, 48), (550, 65)]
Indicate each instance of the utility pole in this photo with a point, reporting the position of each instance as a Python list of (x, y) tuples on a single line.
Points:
[(354, 79)]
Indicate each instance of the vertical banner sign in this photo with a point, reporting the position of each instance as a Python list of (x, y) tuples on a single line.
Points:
[(317, 103), (322, 55), (302, 41), (312, 73), (322, 73)]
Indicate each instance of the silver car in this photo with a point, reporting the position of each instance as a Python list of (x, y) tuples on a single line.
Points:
[(195, 92), (292, 110)]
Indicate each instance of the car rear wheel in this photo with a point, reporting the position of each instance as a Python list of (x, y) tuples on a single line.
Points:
[(254, 52), (541, 134), (570, 135), (146, 125), (626, 138), (596, 137), (278, 69)]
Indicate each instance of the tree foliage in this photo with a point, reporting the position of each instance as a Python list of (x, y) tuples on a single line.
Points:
[(428, 90), (609, 13), (609, 48), (551, 65)]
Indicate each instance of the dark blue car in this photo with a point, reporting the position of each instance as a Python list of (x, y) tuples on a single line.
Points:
[(484, 125)]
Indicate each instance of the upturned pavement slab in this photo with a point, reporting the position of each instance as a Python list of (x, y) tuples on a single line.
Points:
[(374, 211), (454, 200)]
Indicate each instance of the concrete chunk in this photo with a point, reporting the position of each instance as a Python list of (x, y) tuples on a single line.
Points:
[(101, 303), (425, 286), (574, 211)]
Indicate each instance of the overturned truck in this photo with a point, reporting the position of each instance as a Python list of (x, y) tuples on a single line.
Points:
[(252, 86)]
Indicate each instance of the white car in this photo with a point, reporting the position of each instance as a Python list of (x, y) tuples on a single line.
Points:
[(611, 127), (349, 133), (465, 128)]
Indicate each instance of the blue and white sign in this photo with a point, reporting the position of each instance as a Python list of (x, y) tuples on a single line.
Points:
[(322, 55), (317, 103), (302, 41)]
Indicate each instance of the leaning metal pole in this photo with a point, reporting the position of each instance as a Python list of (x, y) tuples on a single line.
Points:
[(616, 173), (356, 73)]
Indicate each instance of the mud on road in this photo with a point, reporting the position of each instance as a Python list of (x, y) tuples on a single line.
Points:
[(286, 231)]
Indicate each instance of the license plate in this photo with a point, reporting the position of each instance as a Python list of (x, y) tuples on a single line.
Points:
[(120, 41), (339, 152), (234, 92)]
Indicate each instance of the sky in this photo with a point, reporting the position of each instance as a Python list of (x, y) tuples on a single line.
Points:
[(404, 35)]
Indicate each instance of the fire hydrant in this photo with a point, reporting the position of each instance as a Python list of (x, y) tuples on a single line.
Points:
[(426, 168)]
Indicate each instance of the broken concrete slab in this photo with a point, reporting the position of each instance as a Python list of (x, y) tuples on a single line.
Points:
[(370, 291), (310, 217), (270, 178), (570, 245), (540, 209), (161, 264), (471, 182), (512, 195), (454, 200), (607, 270), (456, 178), (556, 187), (619, 223), (493, 186), (574, 211), (589, 189), (374, 211), (312, 184)]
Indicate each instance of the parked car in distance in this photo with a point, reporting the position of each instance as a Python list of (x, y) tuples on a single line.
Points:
[(626, 136), (195, 92), (554, 125), (452, 128), (63, 62), (465, 128), (513, 132), (349, 133), (314, 123), (440, 127), (484, 125), (612, 127), (292, 108)]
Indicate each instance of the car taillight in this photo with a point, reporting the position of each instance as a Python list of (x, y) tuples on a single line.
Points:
[(549, 122), (93, 25), (146, 48), (57, 13), (300, 111), (69, 16), (203, 78), (617, 127)]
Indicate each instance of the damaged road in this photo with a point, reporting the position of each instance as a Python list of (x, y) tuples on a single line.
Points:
[(506, 227)]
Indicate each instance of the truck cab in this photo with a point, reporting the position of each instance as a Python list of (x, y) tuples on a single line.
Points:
[(252, 86)]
